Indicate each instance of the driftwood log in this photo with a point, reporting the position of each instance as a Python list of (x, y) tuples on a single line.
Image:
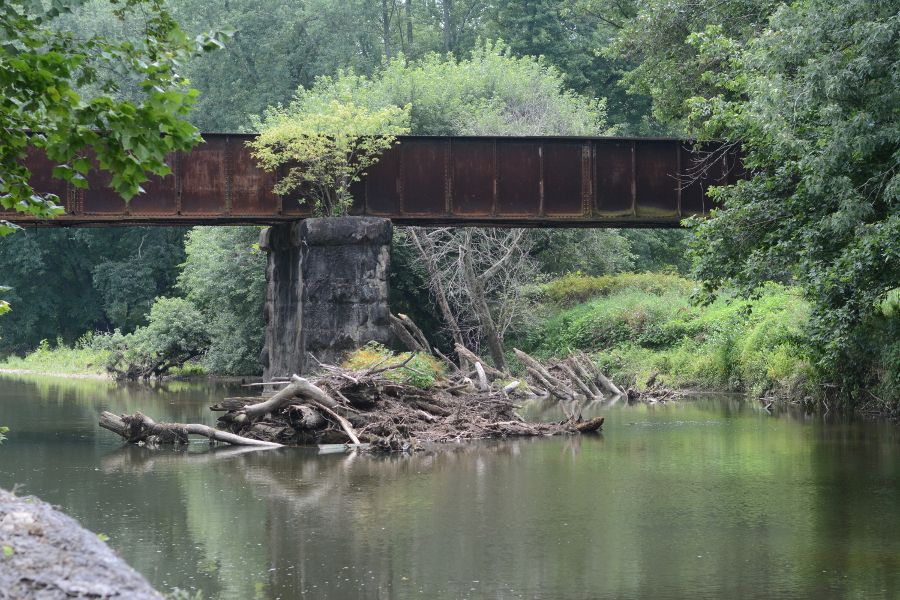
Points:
[(141, 428)]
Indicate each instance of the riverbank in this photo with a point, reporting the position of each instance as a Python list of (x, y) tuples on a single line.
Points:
[(79, 360), (644, 331), (84, 359)]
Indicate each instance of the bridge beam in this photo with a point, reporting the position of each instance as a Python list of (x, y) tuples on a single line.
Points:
[(326, 290), (459, 181)]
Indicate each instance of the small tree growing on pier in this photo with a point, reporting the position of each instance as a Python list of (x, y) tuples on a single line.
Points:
[(325, 147)]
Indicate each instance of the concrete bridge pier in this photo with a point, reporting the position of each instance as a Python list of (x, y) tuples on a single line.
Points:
[(326, 290)]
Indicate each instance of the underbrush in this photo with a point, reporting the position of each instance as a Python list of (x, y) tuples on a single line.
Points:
[(643, 326), (419, 370), (83, 357)]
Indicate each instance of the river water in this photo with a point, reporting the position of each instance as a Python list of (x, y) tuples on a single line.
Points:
[(708, 498)]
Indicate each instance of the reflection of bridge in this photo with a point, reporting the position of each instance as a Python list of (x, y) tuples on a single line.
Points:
[(598, 182)]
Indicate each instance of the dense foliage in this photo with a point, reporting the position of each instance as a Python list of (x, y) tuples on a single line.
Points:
[(644, 326), (61, 96), (223, 276), (280, 44), (64, 282), (175, 333), (489, 92), (814, 102)]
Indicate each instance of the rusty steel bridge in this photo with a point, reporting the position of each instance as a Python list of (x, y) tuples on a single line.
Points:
[(495, 181)]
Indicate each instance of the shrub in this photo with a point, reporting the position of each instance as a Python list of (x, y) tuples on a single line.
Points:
[(420, 371), (325, 146)]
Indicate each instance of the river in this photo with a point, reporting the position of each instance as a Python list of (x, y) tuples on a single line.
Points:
[(708, 498)]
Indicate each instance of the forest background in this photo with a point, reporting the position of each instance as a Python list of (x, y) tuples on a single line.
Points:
[(807, 309)]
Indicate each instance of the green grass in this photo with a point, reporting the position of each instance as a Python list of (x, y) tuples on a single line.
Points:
[(81, 358), (639, 325), (574, 288)]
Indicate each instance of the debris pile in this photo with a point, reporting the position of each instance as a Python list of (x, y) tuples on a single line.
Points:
[(373, 407)]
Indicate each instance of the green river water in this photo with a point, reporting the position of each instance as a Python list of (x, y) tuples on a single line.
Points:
[(708, 498)]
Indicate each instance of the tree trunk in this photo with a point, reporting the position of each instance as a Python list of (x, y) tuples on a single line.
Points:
[(483, 311), (448, 25), (425, 246), (386, 30), (409, 25), (139, 427)]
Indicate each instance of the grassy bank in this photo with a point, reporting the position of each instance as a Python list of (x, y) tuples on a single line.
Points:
[(80, 359), (88, 356), (641, 325)]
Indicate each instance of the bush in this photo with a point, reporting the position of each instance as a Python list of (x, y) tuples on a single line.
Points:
[(84, 356), (175, 333), (420, 371)]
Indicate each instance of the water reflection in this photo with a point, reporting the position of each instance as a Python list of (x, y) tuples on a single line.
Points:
[(708, 498)]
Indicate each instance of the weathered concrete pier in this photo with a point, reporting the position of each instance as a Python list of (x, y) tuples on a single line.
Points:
[(326, 290)]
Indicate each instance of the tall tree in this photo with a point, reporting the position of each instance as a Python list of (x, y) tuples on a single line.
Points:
[(814, 102), (651, 39)]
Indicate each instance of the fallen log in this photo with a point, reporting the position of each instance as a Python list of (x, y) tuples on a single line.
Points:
[(473, 358), (482, 377), (141, 428), (345, 424), (591, 425), (602, 379), (405, 336), (545, 375), (308, 419), (415, 331)]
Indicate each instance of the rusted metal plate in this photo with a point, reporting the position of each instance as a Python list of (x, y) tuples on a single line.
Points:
[(562, 178), (425, 180), (43, 182), (99, 198), (656, 179), (518, 178), (251, 187), (382, 185), (423, 173), (472, 172), (160, 195), (613, 177), (203, 183)]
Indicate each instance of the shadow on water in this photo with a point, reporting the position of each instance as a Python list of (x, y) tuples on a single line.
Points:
[(707, 498)]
